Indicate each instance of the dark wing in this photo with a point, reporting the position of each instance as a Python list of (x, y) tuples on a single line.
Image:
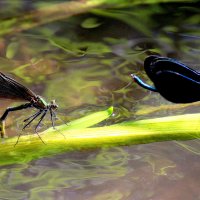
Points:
[(176, 87), (11, 89), (154, 64)]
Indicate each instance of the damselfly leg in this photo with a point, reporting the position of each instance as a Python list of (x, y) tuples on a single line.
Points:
[(53, 116), (33, 118)]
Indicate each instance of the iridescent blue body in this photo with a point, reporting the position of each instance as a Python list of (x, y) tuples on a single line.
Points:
[(175, 81)]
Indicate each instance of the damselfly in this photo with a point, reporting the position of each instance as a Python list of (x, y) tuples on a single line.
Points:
[(174, 80), (11, 89)]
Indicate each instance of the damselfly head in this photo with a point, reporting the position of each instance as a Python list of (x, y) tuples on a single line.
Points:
[(53, 105)]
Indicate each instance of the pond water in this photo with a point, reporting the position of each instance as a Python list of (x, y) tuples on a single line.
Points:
[(85, 62)]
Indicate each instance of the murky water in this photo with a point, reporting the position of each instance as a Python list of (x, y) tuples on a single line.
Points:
[(87, 69)]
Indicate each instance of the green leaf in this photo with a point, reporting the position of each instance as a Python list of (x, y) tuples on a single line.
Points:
[(90, 23), (78, 136), (12, 50), (28, 148)]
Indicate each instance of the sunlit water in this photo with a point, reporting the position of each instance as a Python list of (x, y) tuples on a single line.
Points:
[(87, 70)]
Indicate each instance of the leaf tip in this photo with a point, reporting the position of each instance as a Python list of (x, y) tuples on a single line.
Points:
[(110, 110)]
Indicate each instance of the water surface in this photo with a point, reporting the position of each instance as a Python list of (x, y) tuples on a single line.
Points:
[(85, 62)]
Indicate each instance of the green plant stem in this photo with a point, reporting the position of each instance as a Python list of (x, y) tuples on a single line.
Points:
[(182, 127)]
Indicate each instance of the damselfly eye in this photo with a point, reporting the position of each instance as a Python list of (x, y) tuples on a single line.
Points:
[(54, 105)]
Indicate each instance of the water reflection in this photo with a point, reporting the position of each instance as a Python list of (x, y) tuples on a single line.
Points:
[(74, 170), (138, 172), (87, 70)]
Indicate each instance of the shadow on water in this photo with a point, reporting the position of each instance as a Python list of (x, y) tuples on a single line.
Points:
[(85, 62)]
